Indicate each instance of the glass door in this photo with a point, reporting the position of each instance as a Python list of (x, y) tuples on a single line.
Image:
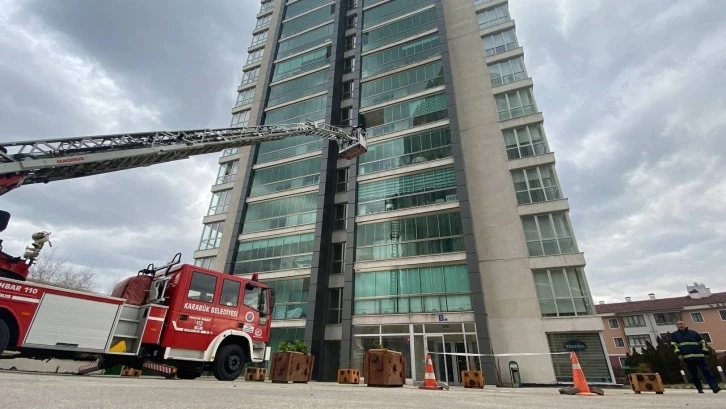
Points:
[(436, 345)]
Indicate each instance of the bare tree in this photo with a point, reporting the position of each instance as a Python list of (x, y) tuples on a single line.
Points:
[(108, 288), (54, 270)]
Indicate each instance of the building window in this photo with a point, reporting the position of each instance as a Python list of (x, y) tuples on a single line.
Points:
[(410, 237), (413, 290), (630, 321), (259, 38), (534, 185), (227, 172), (240, 119), (638, 341), (288, 147), (255, 56), (205, 262), (621, 361), (294, 175), (350, 42), (390, 10), (349, 65), (500, 42), (508, 71), (399, 30), (336, 261), (351, 21), (401, 84), (341, 180), (274, 254), (406, 115), (304, 41), (280, 213), (348, 89), (706, 337), (339, 222), (352, 4), (302, 63), (230, 293), (419, 189), (493, 16), (211, 236), (562, 292), (665, 337), (309, 110), (723, 315), (408, 150), (266, 5), (313, 17), (515, 104), (220, 202), (263, 21), (524, 141), (250, 76), (619, 343), (666, 318), (335, 308), (346, 117), (548, 234), (245, 97), (230, 152), (298, 88), (400, 55), (696, 317), (291, 298), (613, 322), (295, 8)]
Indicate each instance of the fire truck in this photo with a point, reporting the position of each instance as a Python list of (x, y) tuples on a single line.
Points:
[(176, 320)]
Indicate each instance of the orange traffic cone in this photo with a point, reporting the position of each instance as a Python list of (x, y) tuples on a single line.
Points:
[(578, 377), (430, 376)]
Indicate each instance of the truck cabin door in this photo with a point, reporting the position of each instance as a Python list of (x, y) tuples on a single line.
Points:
[(256, 318), (192, 321)]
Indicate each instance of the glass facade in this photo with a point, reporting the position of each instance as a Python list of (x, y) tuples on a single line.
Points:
[(413, 290), (304, 41), (407, 115), (402, 84), (301, 64), (398, 30), (309, 19), (280, 213), (273, 254), (392, 9), (298, 88), (408, 150), (287, 148), (400, 55), (308, 110), (420, 189), (415, 236), (292, 175), (291, 298)]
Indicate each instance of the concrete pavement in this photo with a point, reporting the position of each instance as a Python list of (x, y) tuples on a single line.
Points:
[(92, 392)]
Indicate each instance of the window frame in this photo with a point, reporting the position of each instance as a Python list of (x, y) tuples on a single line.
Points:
[(225, 281), (191, 284), (336, 293), (610, 323), (532, 145), (674, 315), (582, 283), (631, 344), (208, 233), (227, 172), (340, 223), (334, 260), (722, 314), (708, 334), (526, 109), (543, 189), (622, 341), (700, 315), (514, 75), (224, 199), (556, 238), (635, 317)]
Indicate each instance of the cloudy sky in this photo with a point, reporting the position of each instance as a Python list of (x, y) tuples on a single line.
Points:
[(633, 95)]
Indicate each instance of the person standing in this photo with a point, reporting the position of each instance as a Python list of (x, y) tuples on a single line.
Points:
[(692, 349)]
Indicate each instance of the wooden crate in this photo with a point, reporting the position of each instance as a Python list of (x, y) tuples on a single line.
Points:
[(472, 379), (255, 374), (291, 366), (646, 382), (382, 367), (349, 376)]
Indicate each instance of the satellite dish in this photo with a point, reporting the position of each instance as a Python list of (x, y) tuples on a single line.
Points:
[(4, 219)]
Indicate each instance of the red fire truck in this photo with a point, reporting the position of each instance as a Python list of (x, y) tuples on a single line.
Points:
[(174, 320)]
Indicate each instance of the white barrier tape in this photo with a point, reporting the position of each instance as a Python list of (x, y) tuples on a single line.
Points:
[(514, 354)]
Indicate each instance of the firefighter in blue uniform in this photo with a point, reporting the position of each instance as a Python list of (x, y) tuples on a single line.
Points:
[(692, 349)]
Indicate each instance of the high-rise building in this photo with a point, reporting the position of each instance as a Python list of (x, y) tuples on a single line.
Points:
[(451, 234)]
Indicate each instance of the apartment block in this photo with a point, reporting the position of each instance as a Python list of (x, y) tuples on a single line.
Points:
[(450, 235), (631, 324)]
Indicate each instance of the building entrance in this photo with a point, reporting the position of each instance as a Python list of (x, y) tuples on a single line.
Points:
[(447, 367)]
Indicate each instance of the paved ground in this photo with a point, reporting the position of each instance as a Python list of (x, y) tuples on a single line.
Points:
[(93, 392)]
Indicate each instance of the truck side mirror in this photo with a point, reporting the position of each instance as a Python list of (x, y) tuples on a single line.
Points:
[(4, 219)]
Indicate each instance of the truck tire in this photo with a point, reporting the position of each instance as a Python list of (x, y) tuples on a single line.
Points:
[(5, 336), (229, 362)]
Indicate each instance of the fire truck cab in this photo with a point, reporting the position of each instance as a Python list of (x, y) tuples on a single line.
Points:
[(177, 319)]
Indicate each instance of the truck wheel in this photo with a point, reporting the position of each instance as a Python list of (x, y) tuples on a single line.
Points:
[(187, 373), (229, 363), (4, 336)]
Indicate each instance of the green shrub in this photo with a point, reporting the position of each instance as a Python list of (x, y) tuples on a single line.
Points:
[(294, 346)]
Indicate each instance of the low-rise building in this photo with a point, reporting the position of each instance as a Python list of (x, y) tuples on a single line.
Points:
[(631, 324)]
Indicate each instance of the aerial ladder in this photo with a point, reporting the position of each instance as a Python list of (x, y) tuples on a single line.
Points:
[(44, 161)]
